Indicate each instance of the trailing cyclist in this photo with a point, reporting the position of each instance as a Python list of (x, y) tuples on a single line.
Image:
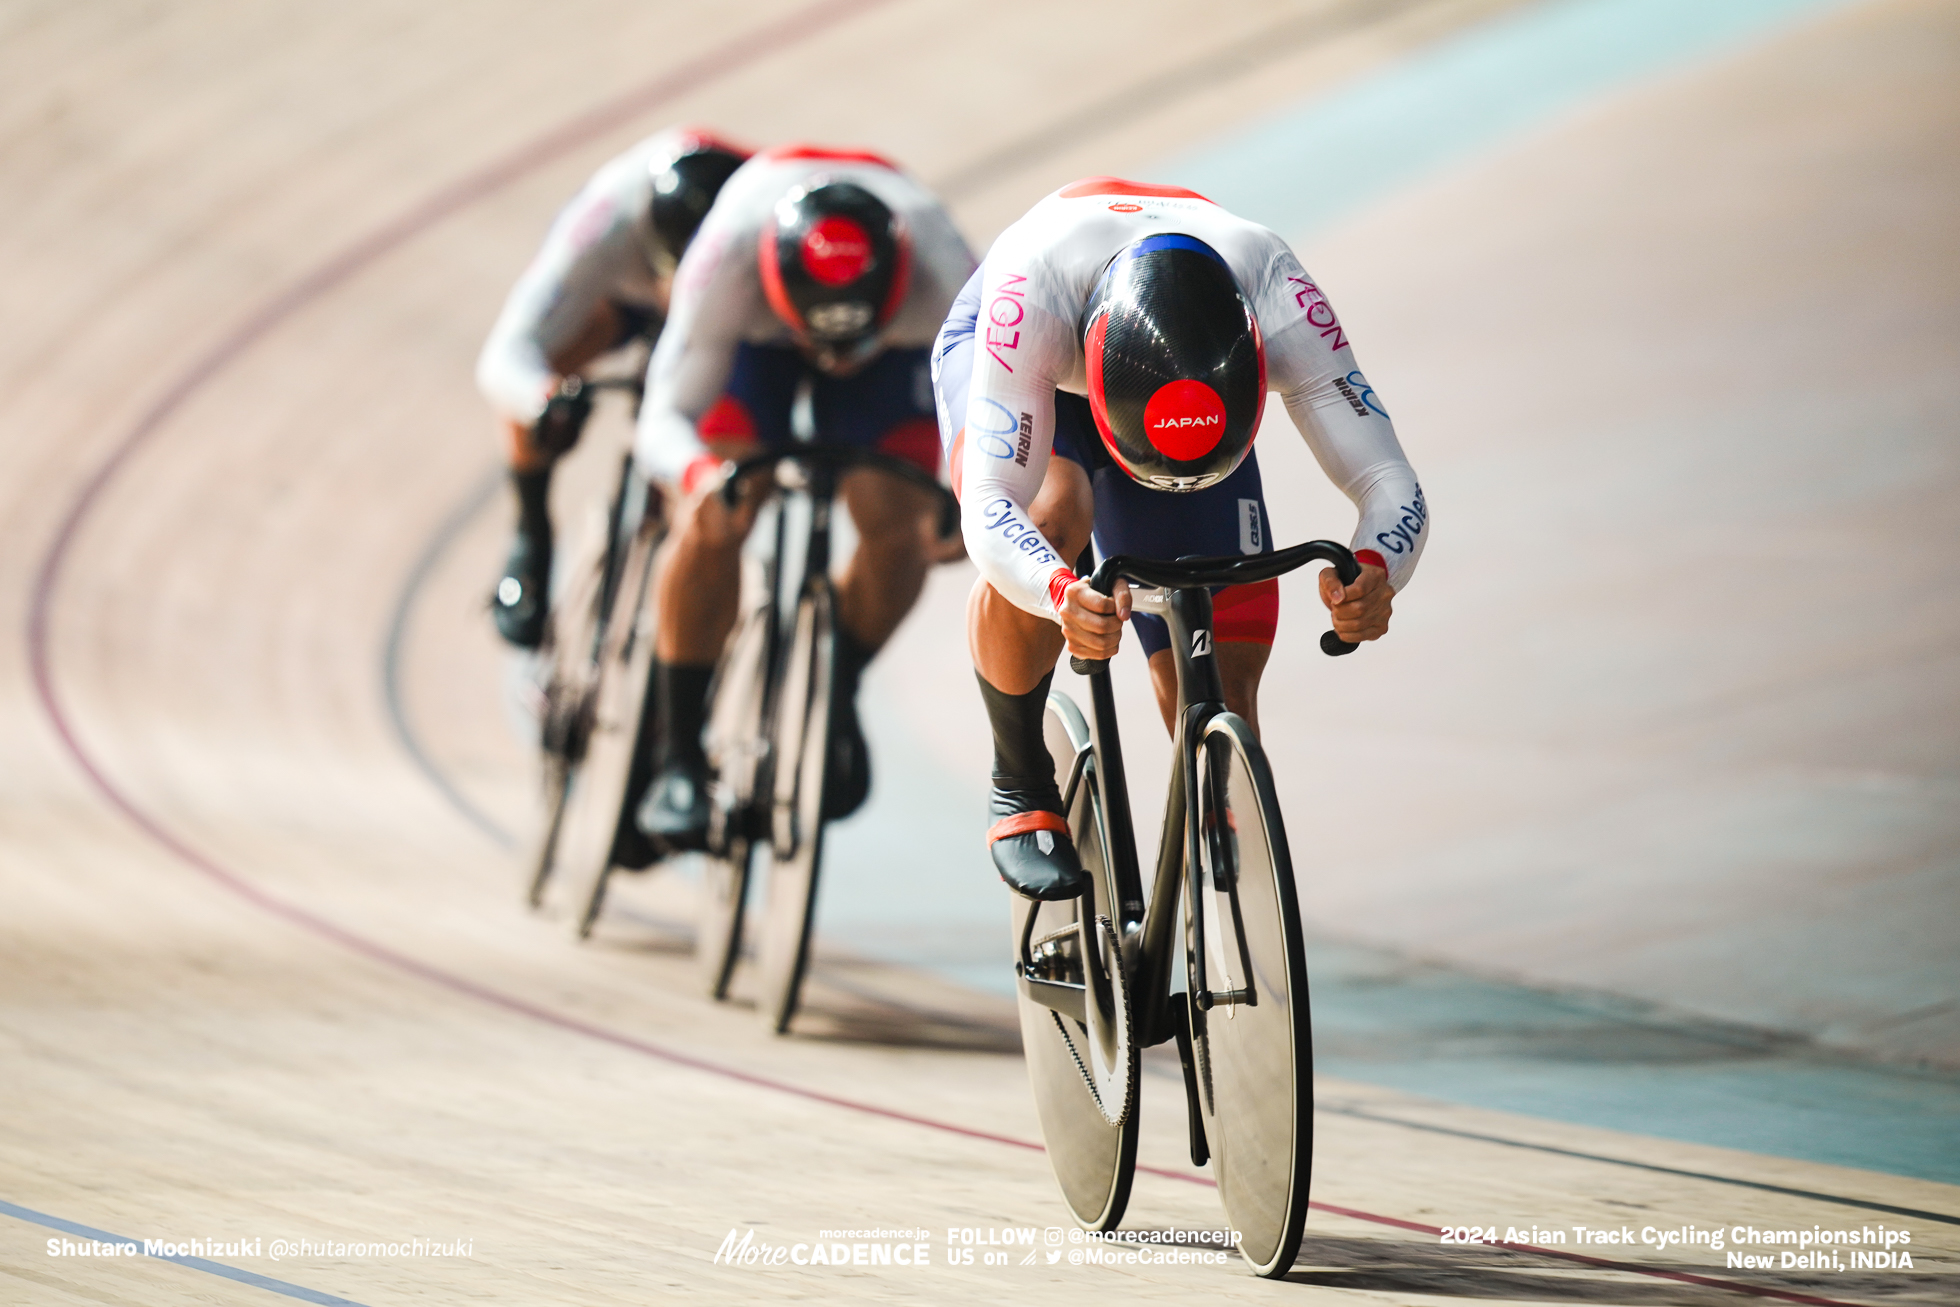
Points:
[(820, 276), (602, 280), (1133, 330)]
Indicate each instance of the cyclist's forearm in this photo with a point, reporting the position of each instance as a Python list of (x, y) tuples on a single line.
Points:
[(513, 376), (666, 444), (1394, 519), (1004, 458), (687, 373), (1012, 554), (1356, 446)]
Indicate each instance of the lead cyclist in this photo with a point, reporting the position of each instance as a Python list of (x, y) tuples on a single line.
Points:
[(1104, 372)]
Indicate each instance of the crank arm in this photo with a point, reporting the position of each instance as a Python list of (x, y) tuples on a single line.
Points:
[(1056, 995)]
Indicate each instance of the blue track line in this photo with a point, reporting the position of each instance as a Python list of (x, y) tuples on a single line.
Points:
[(453, 524)]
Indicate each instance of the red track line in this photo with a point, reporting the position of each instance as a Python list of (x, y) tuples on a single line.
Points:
[(368, 250), (315, 285)]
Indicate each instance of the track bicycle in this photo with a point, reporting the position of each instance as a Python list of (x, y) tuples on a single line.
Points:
[(596, 661), (768, 730), (1094, 974)]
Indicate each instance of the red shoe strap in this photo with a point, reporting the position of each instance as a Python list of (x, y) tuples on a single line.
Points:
[(1023, 822)]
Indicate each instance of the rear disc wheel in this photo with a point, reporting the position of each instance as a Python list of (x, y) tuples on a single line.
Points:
[(1083, 1073)]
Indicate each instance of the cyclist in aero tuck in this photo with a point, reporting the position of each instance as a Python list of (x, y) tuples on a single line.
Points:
[(601, 280), (1133, 330), (819, 271)]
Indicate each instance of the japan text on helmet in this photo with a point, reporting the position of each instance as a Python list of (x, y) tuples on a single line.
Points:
[(1176, 366), (684, 189), (835, 264)]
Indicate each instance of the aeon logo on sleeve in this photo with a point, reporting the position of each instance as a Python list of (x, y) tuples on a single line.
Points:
[(1320, 313), (1004, 314), (1184, 419)]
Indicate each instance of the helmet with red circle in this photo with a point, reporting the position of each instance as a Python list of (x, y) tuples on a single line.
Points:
[(1176, 365), (835, 263)]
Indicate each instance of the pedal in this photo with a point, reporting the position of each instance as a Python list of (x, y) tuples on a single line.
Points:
[(1057, 956)]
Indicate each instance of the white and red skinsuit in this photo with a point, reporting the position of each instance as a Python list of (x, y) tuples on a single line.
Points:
[(1032, 288)]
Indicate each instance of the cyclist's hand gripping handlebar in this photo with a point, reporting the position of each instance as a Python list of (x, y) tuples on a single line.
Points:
[(565, 413), (1243, 570), (1103, 582)]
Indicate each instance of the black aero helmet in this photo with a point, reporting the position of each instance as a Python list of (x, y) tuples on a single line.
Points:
[(835, 263), (1177, 369), (684, 189)]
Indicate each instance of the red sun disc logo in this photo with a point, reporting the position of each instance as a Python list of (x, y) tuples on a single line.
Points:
[(836, 251), (1185, 420)]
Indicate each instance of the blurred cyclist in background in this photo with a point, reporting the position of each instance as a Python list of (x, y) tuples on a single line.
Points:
[(1132, 332), (601, 281), (822, 274)]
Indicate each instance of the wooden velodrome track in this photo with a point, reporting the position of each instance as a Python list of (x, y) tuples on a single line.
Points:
[(262, 980)]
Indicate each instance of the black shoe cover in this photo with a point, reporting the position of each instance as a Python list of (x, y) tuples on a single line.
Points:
[(675, 810), (519, 605), (632, 850), (1037, 864), (847, 780)]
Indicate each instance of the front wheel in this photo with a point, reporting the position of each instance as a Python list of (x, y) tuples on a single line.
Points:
[(1247, 972), (599, 798), (572, 661), (1083, 1067), (738, 757), (795, 836)]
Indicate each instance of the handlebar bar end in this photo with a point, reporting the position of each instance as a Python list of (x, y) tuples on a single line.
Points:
[(1334, 646)]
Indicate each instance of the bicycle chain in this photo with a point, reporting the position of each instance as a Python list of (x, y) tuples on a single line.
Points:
[(1082, 1068), (1088, 1080)]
